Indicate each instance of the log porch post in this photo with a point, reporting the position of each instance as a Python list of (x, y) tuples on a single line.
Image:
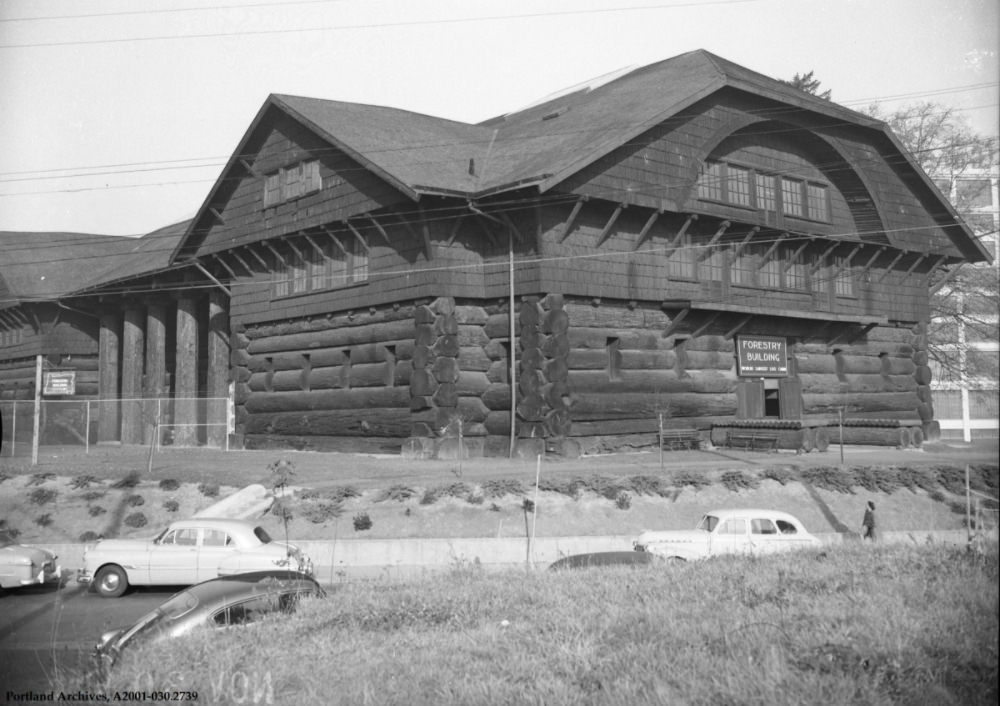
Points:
[(217, 381), (156, 366), (132, 360), (186, 373), (108, 428)]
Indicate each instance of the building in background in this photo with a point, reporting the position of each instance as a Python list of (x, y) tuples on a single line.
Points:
[(966, 389)]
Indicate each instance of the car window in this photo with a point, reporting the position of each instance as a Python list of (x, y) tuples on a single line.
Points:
[(762, 526), (187, 537), (216, 538), (733, 527), (247, 611), (787, 527), (262, 535), (169, 537), (708, 523)]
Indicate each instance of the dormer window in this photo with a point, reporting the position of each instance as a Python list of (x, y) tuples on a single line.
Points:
[(292, 182)]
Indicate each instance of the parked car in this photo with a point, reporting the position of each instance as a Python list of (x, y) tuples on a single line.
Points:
[(218, 603), (25, 566), (187, 552), (621, 558), (738, 531)]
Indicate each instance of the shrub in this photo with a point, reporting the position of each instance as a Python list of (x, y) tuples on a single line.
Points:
[(399, 493), (89, 536), (171, 505), (829, 478), (693, 479), (96, 510), (362, 522), (475, 498), (342, 492), (92, 495), (874, 479), (494, 507), (136, 500), (735, 481), (454, 490), (14, 532), (648, 485), (42, 496), (5, 476), (81, 482), (571, 488), (322, 511), (44, 520), (129, 481), (781, 474), (136, 519), (502, 487), (39, 478), (209, 490), (169, 484), (623, 501), (922, 478)]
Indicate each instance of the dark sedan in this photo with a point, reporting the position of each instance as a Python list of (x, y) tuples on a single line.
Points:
[(221, 602)]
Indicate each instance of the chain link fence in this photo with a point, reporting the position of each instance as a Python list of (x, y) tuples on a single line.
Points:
[(77, 423)]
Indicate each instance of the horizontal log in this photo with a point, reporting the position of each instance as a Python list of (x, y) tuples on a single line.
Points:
[(628, 339), (610, 316), (81, 363), (830, 383), (497, 396), (391, 421), (899, 437), (711, 343), (323, 357), (588, 406), (331, 338), (597, 359), (335, 322), (651, 382), (472, 383), (860, 403), (466, 314), (474, 358), (472, 336), (497, 326), (355, 399)]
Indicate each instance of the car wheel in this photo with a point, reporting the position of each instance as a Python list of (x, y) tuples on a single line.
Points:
[(111, 581)]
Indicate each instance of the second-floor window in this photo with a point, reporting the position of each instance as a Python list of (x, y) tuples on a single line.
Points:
[(335, 264), (744, 187), (292, 182)]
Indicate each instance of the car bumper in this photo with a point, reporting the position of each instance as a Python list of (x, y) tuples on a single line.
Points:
[(48, 574), (83, 576)]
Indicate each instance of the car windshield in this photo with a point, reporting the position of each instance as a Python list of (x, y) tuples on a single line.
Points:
[(263, 536), (708, 523), (178, 605)]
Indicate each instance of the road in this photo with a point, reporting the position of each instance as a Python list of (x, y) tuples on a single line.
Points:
[(47, 633)]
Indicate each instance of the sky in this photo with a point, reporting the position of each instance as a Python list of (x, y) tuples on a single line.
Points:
[(116, 117)]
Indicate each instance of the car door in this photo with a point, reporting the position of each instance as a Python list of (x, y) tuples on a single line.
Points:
[(174, 559), (764, 536), (216, 546), (731, 537)]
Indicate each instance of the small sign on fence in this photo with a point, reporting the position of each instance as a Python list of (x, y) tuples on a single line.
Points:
[(62, 382)]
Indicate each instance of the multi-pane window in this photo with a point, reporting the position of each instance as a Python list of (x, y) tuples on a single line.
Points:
[(682, 262), (316, 266), (710, 182), (816, 202), (766, 196), (843, 281), (791, 196), (749, 188), (769, 274), (794, 268), (292, 182), (738, 185)]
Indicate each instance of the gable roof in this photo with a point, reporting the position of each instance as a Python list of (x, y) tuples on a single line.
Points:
[(46, 266), (547, 142)]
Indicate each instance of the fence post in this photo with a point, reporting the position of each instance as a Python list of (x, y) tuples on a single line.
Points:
[(13, 428), (38, 409), (86, 429)]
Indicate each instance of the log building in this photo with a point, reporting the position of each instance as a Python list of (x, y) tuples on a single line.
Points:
[(688, 249)]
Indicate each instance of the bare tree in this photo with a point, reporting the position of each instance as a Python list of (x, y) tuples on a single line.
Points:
[(962, 163)]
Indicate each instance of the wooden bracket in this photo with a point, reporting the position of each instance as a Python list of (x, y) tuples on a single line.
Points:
[(892, 265), (513, 228), (871, 261), (217, 215), (746, 239), (219, 259), (572, 217), (704, 327), (715, 238), (795, 255), (770, 251), (914, 265), (607, 226), (454, 229), (277, 254), (258, 258), (675, 322), (243, 263), (249, 167), (210, 276), (944, 280), (302, 258), (317, 248), (821, 260), (360, 238), (735, 329), (847, 261), (646, 229), (336, 241), (380, 229), (680, 234)]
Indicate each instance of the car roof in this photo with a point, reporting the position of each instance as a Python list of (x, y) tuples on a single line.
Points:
[(743, 512), (251, 582), (217, 522)]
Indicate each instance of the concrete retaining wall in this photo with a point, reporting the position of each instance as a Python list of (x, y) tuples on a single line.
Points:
[(401, 558)]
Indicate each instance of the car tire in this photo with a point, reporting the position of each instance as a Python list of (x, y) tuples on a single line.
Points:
[(111, 581)]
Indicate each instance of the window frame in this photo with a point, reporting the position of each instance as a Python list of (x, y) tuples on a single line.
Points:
[(777, 193), (317, 272)]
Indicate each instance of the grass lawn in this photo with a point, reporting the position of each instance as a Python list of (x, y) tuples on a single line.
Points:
[(855, 624)]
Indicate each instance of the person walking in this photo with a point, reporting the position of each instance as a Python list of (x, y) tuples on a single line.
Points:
[(868, 523)]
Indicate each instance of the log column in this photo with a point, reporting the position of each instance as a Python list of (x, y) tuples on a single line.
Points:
[(186, 374), (156, 368), (132, 359), (108, 425), (217, 382)]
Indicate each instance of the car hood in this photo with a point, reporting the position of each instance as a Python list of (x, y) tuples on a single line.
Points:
[(22, 554)]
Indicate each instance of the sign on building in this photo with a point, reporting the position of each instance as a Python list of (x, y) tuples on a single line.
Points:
[(62, 382), (762, 356)]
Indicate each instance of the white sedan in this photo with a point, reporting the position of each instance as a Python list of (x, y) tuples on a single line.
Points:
[(738, 531), (25, 566), (187, 552)]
